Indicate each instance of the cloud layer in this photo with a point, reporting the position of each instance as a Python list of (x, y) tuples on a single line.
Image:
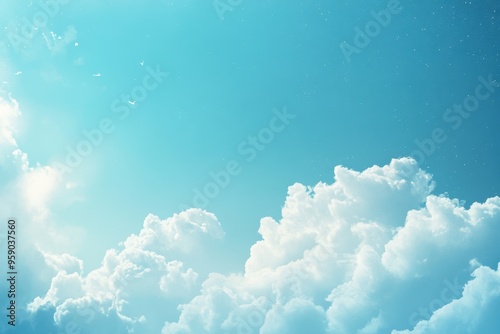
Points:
[(374, 252)]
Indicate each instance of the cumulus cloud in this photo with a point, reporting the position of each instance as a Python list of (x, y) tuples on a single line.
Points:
[(374, 252), (295, 317), (184, 232), (361, 255), (475, 312), (126, 291)]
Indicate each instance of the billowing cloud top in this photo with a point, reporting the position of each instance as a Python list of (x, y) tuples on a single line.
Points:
[(374, 252), (183, 232)]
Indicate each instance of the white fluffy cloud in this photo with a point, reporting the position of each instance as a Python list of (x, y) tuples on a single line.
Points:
[(137, 287), (373, 252), (475, 312), (184, 232)]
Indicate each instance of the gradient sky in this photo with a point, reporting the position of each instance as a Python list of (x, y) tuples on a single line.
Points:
[(230, 72)]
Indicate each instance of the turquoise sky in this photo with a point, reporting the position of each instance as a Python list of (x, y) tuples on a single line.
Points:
[(187, 88)]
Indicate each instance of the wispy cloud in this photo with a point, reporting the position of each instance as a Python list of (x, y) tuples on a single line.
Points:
[(58, 43)]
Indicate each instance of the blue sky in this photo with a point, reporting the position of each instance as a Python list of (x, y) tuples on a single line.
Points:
[(264, 95)]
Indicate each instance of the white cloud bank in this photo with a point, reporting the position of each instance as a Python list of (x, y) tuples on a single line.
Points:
[(138, 283), (374, 252)]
